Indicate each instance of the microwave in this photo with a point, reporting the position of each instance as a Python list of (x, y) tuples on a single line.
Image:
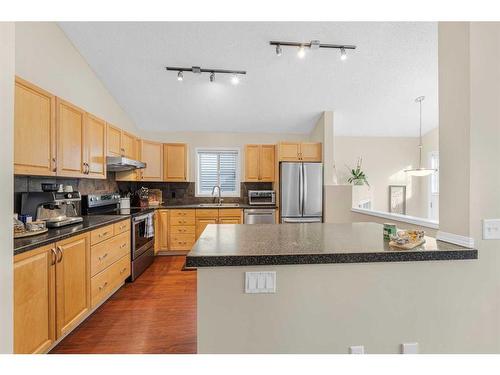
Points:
[(261, 197)]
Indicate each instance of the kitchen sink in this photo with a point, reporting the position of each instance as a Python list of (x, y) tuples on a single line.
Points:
[(219, 205)]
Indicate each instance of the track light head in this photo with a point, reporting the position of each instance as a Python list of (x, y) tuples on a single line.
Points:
[(212, 77), (279, 50), (343, 54), (180, 76), (301, 52), (235, 79)]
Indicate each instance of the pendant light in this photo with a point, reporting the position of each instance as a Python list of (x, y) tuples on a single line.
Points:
[(420, 171)]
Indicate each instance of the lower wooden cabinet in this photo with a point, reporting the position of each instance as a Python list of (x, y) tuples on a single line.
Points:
[(182, 224), (161, 235), (34, 300), (216, 216), (57, 285)]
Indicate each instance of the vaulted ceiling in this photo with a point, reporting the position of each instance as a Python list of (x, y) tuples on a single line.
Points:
[(371, 93)]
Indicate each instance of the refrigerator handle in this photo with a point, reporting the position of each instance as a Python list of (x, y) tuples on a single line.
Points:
[(302, 190)]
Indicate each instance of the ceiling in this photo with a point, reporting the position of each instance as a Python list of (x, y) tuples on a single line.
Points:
[(371, 93)]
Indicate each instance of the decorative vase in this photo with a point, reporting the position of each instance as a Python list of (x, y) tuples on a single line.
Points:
[(358, 182)]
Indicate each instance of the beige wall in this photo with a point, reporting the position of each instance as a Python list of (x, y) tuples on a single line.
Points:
[(6, 176), (384, 162), (323, 132), (214, 139), (46, 57)]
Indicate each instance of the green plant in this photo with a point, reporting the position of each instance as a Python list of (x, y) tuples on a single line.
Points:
[(358, 177)]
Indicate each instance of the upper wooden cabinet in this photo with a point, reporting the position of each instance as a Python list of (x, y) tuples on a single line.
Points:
[(70, 121), (300, 151), (95, 147), (34, 130), (34, 300), (152, 155), (259, 163), (114, 139), (175, 162), (129, 145)]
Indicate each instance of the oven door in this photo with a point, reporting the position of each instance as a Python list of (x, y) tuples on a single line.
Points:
[(142, 234)]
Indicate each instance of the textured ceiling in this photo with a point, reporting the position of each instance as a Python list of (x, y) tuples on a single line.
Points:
[(372, 92)]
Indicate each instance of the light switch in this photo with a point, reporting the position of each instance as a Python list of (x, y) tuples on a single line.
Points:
[(357, 349), (491, 229), (409, 348), (260, 282)]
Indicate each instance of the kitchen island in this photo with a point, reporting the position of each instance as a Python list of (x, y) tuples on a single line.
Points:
[(336, 285)]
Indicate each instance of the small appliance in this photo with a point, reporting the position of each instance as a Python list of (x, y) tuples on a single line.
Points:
[(261, 197), (259, 216), (57, 209)]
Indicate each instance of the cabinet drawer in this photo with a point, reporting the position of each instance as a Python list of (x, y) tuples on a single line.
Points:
[(108, 252), (101, 234), (181, 229), (207, 212), (121, 227), (182, 241), (182, 220), (231, 212), (182, 213), (104, 283)]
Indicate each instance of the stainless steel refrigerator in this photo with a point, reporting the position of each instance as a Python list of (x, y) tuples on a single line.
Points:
[(301, 192)]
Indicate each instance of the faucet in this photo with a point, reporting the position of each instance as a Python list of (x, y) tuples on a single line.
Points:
[(219, 192)]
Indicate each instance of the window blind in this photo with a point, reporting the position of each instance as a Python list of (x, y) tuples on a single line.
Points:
[(218, 168)]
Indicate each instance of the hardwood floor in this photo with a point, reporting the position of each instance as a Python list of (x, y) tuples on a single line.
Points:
[(154, 314)]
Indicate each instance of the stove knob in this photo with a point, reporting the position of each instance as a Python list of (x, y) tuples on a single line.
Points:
[(69, 196)]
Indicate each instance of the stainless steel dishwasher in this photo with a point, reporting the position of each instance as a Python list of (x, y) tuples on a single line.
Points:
[(259, 216)]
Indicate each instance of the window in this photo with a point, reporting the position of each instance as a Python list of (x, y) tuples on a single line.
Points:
[(218, 167)]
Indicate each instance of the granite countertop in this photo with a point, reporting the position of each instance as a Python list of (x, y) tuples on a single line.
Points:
[(89, 223), (316, 243)]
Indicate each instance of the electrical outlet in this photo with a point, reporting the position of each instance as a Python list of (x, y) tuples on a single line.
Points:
[(357, 349), (491, 229), (260, 282), (409, 348)]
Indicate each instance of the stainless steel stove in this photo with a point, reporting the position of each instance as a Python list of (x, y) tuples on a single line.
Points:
[(142, 233)]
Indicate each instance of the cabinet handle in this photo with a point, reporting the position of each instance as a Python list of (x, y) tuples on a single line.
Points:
[(54, 169), (122, 246), (59, 252), (103, 234), (53, 255), (103, 285), (122, 226), (103, 257), (123, 270)]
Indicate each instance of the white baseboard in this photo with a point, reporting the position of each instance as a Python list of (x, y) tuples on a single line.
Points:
[(455, 239)]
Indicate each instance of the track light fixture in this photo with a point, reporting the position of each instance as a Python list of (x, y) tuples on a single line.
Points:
[(197, 70), (313, 44)]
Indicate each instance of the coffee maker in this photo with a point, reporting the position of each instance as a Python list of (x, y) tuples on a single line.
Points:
[(57, 209)]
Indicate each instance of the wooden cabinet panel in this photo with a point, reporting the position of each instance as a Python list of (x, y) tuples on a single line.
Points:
[(267, 163), (182, 213), (289, 151), (152, 155), (175, 162), (107, 252), (34, 130), (104, 283), (207, 212), (182, 241), (311, 152), (34, 300), (101, 234), (128, 145), (252, 162), (230, 212), (162, 217), (114, 136), (121, 227), (95, 145), (182, 229), (72, 282), (176, 220), (70, 122), (201, 224), (229, 220)]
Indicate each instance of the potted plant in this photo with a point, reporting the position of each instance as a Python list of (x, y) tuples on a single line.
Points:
[(357, 176)]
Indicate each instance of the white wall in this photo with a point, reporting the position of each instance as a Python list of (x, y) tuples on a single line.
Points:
[(46, 57), (214, 139), (7, 33)]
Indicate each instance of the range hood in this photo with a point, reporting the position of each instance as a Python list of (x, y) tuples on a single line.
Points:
[(122, 164)]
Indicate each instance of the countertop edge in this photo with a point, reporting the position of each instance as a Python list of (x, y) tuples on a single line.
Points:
[(376, 257)]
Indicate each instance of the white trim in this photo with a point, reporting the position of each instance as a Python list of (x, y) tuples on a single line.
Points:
[(455, 239), (237, 193), (397, 217)]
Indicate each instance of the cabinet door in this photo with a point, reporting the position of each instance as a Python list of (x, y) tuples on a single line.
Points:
[(152, 155), (72, 282), (175, 162), (252, 162), (34, 130), (267, 163), (201, 224), (95, 144), (114, 136), (162, 226), (34, 300), (311, 152), (70, 121), (128, 145), (230, 220), (289, 151)]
